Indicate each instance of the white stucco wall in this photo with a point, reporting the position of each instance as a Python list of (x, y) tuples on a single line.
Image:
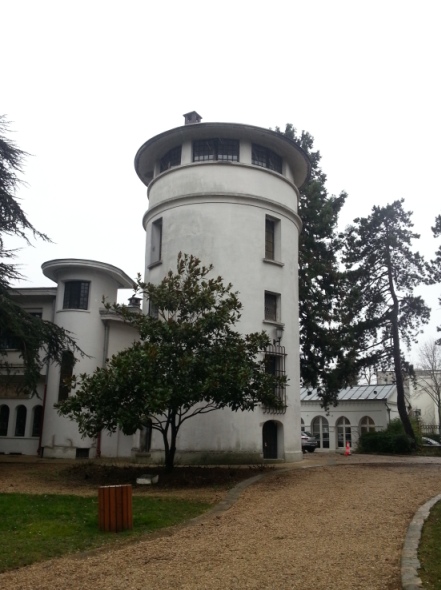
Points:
[(61, 437), (216, 211)]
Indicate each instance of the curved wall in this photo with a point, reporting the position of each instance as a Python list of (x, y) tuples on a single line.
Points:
[(217, 211)]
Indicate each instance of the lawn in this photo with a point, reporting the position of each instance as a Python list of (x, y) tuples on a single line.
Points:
[(429, 552), (38, 527)]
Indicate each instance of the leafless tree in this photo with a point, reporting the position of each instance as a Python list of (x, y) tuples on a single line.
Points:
[(428, 374)]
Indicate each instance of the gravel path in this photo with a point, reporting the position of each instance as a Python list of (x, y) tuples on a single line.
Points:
[(340, 526)]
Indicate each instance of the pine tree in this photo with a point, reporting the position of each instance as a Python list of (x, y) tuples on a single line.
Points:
[(328, 356), (384, 271), (37, 340)]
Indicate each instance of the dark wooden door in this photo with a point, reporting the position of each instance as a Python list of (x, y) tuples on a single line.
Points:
[(269, 436)]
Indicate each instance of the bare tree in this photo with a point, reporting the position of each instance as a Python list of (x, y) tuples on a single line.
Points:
[(428, 374)]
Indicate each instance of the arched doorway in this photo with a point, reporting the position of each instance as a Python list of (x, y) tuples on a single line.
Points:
[(269, 440), (320, 429)]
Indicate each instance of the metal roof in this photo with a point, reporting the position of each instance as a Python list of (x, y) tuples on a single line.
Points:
[(358, 392)]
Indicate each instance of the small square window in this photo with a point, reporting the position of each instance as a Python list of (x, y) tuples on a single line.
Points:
[(266, 158), (171, 158), (76, 295)]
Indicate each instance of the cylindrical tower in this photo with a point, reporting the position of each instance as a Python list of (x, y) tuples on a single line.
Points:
[(228, 194), (78, 308)]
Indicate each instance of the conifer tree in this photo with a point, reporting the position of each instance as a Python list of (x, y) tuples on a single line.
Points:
[(328, 356), (37, 340), (385, 315)]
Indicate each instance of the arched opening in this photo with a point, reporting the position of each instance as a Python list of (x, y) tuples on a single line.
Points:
[(302, 425), (320, 429), (366, 425), (343, 432), (37, 420), (4, 420), (20, 421), (269, 440)]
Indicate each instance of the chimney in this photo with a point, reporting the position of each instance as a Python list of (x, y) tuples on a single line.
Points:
[(192, 118)]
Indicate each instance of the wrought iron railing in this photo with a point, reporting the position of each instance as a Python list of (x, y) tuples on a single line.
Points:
[(275, 364)]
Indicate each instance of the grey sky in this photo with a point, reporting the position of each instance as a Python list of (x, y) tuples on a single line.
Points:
[(85, 83)]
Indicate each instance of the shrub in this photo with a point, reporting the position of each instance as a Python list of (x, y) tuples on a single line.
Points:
[(384, 442)]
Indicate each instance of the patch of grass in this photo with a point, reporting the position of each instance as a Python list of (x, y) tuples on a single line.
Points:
[(38, 527), (429, 552)]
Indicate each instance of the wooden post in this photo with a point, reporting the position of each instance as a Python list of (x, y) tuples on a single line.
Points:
[(115, 508)]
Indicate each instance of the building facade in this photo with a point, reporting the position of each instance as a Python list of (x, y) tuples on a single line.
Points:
[(228, 194), (362, 408)]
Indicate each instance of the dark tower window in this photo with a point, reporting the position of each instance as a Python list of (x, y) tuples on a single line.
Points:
[(216, 149), (262, 156), (171, 158), (66, 372), (76, 295)]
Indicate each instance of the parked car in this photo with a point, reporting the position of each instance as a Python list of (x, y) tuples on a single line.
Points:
[(429, 442), (309, 442)]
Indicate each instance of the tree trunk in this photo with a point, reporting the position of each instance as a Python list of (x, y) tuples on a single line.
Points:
[(170, 447), (401, 399)]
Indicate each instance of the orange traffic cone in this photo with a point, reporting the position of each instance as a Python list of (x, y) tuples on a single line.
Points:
[(347, 449)]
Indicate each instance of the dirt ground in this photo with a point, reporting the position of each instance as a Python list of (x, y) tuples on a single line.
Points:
[(339, 524)]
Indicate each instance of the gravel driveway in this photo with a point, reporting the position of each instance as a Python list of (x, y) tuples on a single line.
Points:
[(339, 525)]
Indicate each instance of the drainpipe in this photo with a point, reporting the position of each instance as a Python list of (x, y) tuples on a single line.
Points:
[(388, 411), (105, 354)]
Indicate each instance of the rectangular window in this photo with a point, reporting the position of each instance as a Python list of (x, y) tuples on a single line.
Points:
[(153, 310), (171, 158), (216, 149), (262, 156), (66, 372), (275, 365), (76, 295), (270, 235), (272, 305), (272, 239), (9, 341), (156, 255)]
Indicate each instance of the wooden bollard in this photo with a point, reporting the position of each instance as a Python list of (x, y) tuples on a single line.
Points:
[(115, 508)]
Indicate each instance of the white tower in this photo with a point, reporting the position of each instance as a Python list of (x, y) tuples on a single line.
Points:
[(228, 193)]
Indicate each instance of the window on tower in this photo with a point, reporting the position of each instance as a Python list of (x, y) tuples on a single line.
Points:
[(156, 252), (262, 156), (171, 158), (272, 239), (205, 150), (76, 295), (66, 372), (272, 307)]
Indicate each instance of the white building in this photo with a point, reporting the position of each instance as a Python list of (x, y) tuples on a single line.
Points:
[(362, 408), (228, 194)]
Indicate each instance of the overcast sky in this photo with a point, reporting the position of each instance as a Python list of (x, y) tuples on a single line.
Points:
[(85, 83)]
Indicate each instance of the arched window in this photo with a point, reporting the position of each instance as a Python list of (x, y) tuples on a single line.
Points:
[(367, 425), (37, 420), (4, 420), (320, 429), (20, 421), (302, 425), (343, 432)]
